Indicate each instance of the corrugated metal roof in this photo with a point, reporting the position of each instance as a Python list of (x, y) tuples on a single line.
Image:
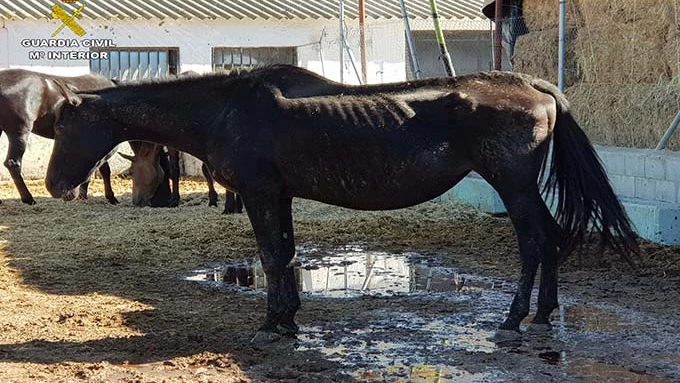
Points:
[(237, 9)]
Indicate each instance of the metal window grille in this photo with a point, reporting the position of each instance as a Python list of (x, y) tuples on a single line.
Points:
[(228, 58), (127, 64)]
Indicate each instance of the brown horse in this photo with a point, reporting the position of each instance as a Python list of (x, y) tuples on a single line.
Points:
[(28, 103), (152, 169), (370, 147)]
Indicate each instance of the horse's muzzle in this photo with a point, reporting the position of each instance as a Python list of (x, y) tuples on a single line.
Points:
[(60, 189)]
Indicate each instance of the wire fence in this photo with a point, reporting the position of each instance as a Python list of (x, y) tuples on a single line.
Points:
[(621, 64)]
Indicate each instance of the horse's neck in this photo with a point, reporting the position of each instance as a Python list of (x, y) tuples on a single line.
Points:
[(144, 120)]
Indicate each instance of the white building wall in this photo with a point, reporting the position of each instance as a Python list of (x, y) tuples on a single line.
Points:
[(195, 39)]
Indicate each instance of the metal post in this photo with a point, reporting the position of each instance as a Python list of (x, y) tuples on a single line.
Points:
[(342, 41), (362, 41), (446, 58), (667, 136), (498, 36), (353, 61), (562, 42), (409, 40)]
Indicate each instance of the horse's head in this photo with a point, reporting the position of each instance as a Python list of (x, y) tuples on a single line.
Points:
[(83, 140), (147, 174)]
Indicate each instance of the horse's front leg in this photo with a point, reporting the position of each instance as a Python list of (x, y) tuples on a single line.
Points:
[(173, 165), (15, 153), (272, 223)]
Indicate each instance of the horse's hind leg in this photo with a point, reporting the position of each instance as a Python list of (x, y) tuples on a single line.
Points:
[(15, 153), (105, 171), (547, 294), (527, 212), (535, 229)]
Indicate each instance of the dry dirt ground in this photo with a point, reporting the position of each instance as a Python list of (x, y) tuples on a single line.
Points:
[(92, 292)]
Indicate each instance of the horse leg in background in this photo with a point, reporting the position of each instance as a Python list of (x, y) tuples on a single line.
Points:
[(212, 194), (272, 223), (232, 203), (173, 158), (105, 172), (15, 153), (0, 136)]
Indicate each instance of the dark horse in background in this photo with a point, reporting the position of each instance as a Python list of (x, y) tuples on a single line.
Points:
[(28, 103), (152, 169), (282, 132)]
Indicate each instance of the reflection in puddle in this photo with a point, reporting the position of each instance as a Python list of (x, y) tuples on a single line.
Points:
[(351, 272), (375, 354)]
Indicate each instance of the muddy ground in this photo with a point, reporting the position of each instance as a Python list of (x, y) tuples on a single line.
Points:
[(94, 293)]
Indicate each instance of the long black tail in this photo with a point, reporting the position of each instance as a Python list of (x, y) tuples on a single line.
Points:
[(585, 198)]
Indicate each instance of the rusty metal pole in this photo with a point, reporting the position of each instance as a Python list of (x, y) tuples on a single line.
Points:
[(362, 40), (498, 36)]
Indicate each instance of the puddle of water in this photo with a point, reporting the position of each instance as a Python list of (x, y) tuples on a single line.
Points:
[(351, 272), (584, 317), (369, 357), (421, 373), (597, 372)]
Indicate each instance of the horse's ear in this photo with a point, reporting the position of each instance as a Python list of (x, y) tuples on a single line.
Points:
[(68, 91), (127, 157)]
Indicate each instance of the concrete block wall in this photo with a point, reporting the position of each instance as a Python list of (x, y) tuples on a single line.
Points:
[(645, 174)]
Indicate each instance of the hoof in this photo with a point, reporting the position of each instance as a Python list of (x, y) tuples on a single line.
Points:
[(113, 200), (29, 201), (265, 337), (507, 338), (539, 328), (287, 329)]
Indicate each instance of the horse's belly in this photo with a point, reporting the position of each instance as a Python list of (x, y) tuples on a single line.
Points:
[(379, 191)]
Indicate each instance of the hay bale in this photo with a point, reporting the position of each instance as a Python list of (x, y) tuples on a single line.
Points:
[(544, 14), (536, 53), (672, 56), (633, 116), (657, 15), (621, 54)]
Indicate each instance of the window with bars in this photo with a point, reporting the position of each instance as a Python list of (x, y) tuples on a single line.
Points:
[(137, 63), (228, 58)]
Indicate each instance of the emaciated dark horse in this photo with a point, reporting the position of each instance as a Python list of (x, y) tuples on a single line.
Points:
[(28, 103), (363, 147)]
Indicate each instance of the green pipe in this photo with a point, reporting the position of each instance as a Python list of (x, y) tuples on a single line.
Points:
[(446, 58)]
